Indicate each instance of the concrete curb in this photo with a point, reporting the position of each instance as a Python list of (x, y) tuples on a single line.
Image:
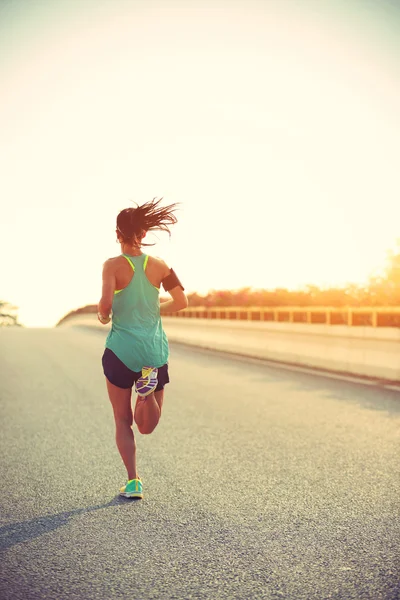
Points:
[(375, 360)]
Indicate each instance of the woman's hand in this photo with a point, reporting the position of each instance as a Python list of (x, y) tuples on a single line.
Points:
[(104, 320)]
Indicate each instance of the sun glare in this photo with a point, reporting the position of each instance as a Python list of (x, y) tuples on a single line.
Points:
[(276, 129)]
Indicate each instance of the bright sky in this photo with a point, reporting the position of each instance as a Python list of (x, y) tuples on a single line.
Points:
[(276, 124)]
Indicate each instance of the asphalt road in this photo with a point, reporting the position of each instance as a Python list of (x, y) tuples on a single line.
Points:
[(259, 482)]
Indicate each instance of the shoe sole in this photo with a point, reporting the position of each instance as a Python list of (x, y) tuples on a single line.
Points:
[(146, 390), (132, 495), (148, 384)]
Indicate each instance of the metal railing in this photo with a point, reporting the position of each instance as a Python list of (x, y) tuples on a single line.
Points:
[(352, 316)]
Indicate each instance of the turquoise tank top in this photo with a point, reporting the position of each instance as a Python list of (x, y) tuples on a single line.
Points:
[(137, 336)]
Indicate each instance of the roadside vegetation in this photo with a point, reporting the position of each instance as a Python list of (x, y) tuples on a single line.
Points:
[(380, 291), (8, 315)]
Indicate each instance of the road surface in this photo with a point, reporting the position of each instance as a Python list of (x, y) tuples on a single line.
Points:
[(260, 482)]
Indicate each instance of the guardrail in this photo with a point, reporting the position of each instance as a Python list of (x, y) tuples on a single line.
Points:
[(363, 316)]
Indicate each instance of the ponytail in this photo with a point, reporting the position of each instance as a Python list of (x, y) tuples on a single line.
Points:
[(131, 222)]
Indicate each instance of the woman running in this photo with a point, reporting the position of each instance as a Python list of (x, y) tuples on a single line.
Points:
[(136, 350)]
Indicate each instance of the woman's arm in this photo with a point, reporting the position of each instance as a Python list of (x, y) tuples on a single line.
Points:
[(173, 286), (109, 283), (178, 301)]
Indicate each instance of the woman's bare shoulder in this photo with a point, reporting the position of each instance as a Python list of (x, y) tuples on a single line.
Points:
[(114, 262), (160, 264)]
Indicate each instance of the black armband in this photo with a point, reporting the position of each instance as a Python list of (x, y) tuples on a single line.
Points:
[(171, 281)]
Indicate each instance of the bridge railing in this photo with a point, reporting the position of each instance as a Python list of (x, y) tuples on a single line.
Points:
[(322, 315)]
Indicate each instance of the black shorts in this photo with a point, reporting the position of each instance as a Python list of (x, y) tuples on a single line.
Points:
[(118, 373)]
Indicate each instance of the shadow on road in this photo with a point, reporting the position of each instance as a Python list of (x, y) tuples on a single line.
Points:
[(17, 533)]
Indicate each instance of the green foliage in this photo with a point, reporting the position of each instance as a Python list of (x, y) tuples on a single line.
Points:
[(380, 291), (8, 315)]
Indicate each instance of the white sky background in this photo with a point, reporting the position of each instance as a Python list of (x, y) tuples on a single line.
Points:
[(275, 124)]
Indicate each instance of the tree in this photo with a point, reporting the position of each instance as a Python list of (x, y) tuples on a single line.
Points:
[(384, 289), (8, 315), (392, 273)]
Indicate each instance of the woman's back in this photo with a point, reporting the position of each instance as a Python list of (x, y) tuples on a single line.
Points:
[(155, 270), (136, 335)]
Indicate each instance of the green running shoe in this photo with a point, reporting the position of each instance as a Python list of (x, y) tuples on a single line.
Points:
[(133, 489)]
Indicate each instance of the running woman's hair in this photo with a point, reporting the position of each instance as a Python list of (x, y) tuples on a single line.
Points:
[(131, 222)]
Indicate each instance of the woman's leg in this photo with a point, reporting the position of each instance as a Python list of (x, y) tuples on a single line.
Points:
[(148, 411), (121, 402)]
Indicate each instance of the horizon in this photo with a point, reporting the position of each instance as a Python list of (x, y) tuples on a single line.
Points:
[(251, 290)]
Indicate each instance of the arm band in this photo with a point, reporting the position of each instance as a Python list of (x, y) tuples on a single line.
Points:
[(171, 281)]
